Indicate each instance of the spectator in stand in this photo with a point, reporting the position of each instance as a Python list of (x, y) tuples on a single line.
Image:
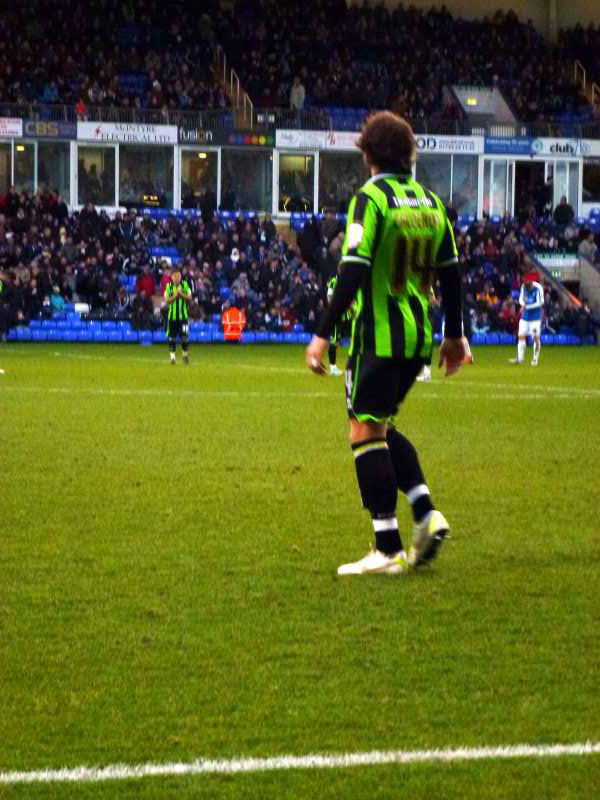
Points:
[(563, 213), (297, 95), (145, 282), (588, 248)]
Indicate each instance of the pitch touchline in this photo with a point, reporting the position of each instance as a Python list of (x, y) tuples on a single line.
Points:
[(315, 761)]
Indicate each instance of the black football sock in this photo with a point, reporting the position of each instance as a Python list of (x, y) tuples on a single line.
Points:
[(172, 345), (409, 474), (378, 491), (332, 354)]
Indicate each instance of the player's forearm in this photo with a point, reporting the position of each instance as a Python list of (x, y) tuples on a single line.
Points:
[(345, 291), (450, 287)]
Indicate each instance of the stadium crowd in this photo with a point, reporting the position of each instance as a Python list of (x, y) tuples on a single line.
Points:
[(49, 257), (136, 54), (297, 54), (302, 54)]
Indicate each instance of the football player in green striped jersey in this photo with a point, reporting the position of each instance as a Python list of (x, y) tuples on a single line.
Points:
[(340, 332), (178, 296), (398, 237)]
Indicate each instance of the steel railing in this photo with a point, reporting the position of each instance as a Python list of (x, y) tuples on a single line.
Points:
[(273, 118)]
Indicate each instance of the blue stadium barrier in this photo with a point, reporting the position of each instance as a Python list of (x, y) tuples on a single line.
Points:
[(547, 339), (39, 335), (159, 336), (276, 337), (478, 338), (130, 336), (48, 323), (304, 338), (54, 334), (11, 336), (218, 336), (124, 325), (248, 338), (290, 338), (100, 335), (201, 337), (560, 338), (115, 336), (23, 334), (73, 316), (507, 338), (109, 326), (492, 338), (94, 324), (64, 324), (573, 339), (145, 337), (35, 323), (78, 324), (58, 315), (262, 337), (85, 335), (69, 336)]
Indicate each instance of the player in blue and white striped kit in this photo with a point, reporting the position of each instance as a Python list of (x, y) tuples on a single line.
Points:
[(531, 300)]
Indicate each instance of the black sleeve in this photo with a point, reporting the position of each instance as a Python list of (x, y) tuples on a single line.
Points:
[(450, 286), (345, 291)]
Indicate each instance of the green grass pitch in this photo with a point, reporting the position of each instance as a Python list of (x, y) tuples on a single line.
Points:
[(168, 588)]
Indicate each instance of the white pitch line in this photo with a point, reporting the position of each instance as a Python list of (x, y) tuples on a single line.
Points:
[(314, 761)]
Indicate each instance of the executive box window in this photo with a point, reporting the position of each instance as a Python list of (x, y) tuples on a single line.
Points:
[(340, 176), (5, 171), (96, 175), (54, 167), (24, 167), (199, 179), (433, 171), (296, 182), (591, 181), (146, 176), (246, 180), (464, 184)]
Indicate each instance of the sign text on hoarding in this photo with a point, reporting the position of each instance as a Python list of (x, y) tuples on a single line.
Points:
[(127, 133)]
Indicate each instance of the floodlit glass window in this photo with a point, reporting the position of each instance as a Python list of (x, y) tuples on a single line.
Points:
[(96, 175)]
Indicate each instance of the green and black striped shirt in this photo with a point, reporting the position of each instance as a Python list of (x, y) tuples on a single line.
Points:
[(400, 232), (178, 310)]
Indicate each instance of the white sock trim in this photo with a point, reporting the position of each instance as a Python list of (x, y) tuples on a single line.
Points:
[(416, 492), (389, 524)]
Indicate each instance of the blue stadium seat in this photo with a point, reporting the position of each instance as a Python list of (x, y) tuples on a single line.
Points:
[(54, 334), (109, 326), (248, 338), (39, 335), (59, 315), (201, 337), (69, 308), (99, 335), (159, 336), (304, 338), (262, 337), (507, 338), (145, 337), (573, 339), (492, 338), (130, 336), (23, 334), (64, 324), (11, 336), (290, 338), (115, 336), (276, 337), (48, 323), (68, 336), (547, 339), (298, 328), (35, 323), (218, 336), (215, 318), (78, 324), (560, 338), (85, 335), (124, 325), (478, 338)]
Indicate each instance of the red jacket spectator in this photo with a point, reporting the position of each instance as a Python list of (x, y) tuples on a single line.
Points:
[(145, 283)]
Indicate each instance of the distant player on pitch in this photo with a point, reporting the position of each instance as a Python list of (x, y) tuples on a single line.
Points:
[(178, 296), (531, 300)]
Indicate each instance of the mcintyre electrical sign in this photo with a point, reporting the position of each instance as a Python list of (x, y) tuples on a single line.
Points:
[(126, 133)]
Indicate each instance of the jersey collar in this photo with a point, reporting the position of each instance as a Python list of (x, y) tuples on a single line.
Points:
[(385, 175)]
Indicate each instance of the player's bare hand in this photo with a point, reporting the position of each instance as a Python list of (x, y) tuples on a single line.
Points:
[(453, 354), (314, 355)]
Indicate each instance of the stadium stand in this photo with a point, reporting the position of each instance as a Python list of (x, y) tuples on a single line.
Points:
[(51, 262)]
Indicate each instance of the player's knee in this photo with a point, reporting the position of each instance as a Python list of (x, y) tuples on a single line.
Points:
[(362, 431)]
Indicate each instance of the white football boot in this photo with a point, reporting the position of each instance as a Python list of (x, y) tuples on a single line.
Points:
[(428, 535), (377, 563), (334, 370)]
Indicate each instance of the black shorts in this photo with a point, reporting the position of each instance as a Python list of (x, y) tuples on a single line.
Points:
[(177, 329), (375, 386)]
